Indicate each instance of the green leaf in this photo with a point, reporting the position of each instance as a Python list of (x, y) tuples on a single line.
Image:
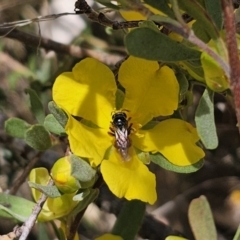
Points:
[(149, 24), (129, 219), (169, 23), (195, 70), (160, 160), (36, 106), (52, 125), (119, 99), (58, 113), (162, 48), (183, 82), (214, 74), (82, 195), (149, 125), (15, 207), (201, 219), (237, 234), (175, 238), (204, 119), (194, 9), (81, 170), (42, 233), (89, 123), (200, 32), (90, 196), (50, 191), (162, 5), (16, 127), (214, 9), (38, 138)]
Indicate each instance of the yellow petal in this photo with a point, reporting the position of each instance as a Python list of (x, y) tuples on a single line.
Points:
[(175, 139), (151, 90), (61, 206), (39, 176), (55, 208), (129, 179), (135, 16), (87, 142), (88, 91), (109, 236)]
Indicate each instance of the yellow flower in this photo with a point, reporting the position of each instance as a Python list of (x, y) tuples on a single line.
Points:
[(53, 208), (89, 92)]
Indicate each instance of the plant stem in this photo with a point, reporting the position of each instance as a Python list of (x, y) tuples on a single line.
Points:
[(231, 42)]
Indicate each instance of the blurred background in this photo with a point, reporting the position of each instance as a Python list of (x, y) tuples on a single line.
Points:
[(65, 41)]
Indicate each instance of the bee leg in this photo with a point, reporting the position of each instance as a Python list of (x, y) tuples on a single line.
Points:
[(129, 129), (111, 132)]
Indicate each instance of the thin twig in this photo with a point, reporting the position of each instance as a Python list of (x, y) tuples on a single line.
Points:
[(25, 22), (25, 174), (72, 50), (231, 42), (23, 231)]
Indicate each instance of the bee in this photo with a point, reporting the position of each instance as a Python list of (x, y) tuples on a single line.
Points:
[(121, 129)]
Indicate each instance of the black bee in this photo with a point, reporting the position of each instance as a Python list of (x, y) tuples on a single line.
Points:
[(121, 129)]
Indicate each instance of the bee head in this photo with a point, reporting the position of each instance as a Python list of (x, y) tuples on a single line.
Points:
[(120, 119)]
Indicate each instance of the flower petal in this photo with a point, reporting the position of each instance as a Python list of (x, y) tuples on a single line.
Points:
[(136, 16), (40, 176), (61, 206), (151, 90), (129, 179), (91, 143), (175, 139), (88, 91)]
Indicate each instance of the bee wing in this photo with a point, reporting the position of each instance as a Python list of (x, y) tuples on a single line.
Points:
[(122, 139)]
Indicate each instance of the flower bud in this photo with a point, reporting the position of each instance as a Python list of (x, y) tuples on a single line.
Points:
[(61, 174)]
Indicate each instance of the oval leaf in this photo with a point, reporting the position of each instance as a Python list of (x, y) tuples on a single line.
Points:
[(201, 219), (89, 197), (16, 127), (204, 119), (81, 170), (58, 113), (36, 106), (162, 48), (52, 125), (129, 219), (50, 191), (15, 207), (214, 9), (164, 163), (38, 138)]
